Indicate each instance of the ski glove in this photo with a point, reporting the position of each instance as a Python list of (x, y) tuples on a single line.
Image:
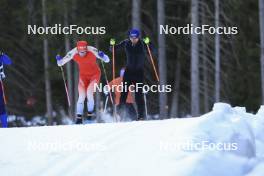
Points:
[(112, 42), (101, 54), (146, 40), (58, 57), (5, 59)]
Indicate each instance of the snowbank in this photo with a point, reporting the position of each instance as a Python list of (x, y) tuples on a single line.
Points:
[(227, 141)]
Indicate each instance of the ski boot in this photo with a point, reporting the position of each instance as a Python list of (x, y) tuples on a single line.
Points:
[(140, 119), (79, 119), (90, 118), (121, 111)]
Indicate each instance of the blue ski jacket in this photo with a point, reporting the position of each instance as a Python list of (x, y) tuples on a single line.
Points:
[(4, 60)]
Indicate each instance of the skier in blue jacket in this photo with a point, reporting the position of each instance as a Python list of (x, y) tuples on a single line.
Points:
[(4, 60)]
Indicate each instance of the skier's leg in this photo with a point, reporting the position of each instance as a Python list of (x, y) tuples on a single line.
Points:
[(139, 97), (131, 111), (122, 108), (90, 94), (80, 102), (4, 120), (2, 110), (140, 104), (126, 82)]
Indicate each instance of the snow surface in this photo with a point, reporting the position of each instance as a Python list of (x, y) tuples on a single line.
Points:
[(145, 148)]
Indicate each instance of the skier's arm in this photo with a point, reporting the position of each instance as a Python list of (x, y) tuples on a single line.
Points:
[(4, 60), (118, 46), (98, 54), (67, 58), (2, 74)]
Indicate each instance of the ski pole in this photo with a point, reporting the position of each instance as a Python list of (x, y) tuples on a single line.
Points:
[(113, 58), (3, 90), (152, 61), (65, 85), (111, 98), (145, 100), (105, 104)]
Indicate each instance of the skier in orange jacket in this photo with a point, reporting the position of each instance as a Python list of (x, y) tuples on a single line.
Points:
[(89, 74), (130, 109)]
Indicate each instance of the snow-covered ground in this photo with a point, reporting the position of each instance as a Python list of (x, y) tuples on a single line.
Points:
[(225, 142)]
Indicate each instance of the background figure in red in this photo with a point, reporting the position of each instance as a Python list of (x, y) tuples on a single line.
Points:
[(130, 111)]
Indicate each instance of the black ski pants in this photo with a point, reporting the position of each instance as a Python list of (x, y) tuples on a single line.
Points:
[(134, 76)]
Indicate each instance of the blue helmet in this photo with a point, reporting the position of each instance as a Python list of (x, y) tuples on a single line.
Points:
[(134, 33)]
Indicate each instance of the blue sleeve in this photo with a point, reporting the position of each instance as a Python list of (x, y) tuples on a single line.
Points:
[(6, 60)]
